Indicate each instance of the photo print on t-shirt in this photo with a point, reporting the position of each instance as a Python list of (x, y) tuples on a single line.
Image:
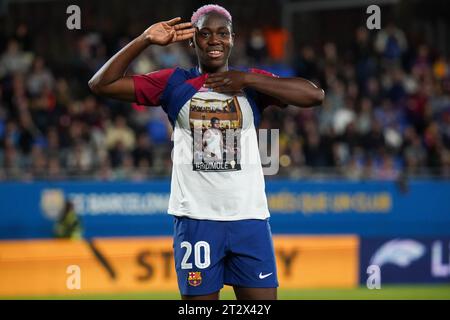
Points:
[(216, 129)]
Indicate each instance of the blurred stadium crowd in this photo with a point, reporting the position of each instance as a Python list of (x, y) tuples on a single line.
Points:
[(386, 112)]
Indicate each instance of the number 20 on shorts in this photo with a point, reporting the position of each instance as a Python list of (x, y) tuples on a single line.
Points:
[(199, 262)]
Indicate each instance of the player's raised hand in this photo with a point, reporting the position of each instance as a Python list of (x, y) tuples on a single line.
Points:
[(166, 32)]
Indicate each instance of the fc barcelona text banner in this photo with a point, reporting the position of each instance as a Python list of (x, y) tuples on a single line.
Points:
[(420, 208)]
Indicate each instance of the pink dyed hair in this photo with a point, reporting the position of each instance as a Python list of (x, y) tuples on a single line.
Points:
[(207, 9)]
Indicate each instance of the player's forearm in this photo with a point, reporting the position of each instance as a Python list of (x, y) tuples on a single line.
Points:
[(116, 67), (294, 91)]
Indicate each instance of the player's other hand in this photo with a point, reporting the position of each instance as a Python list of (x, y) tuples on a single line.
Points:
[(166, 32), (227, 82)]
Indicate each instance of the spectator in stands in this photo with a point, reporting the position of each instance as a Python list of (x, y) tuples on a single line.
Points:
[(40, 78), (391, 43), (120, 132), (14, 59)]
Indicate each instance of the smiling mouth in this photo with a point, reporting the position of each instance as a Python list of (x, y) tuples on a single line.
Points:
[(215, 54)]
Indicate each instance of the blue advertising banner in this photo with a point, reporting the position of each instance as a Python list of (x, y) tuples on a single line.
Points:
[(405, 260), (29, 210)]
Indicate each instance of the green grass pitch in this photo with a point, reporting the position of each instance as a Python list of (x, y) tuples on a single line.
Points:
[(391, 292)]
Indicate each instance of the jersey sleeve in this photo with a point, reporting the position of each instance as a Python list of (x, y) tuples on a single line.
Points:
[(264, 99), (148, 88)]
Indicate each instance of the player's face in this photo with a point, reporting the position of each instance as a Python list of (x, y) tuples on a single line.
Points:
[(216, 124), (213, 42)]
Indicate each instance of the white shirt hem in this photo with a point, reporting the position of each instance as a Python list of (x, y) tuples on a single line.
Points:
[(219, 218)]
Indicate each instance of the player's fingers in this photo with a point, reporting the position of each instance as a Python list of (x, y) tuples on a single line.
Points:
[(173, 21), (186, 31), (183, 25), (227, 91), (184, 36), (222, 89), (212, 78), (213, 84), (220, 84), (218, 81)]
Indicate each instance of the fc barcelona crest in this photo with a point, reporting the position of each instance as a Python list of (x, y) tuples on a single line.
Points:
[(195, 278)]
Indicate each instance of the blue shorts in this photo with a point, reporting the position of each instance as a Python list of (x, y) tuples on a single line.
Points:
[(209, 254)]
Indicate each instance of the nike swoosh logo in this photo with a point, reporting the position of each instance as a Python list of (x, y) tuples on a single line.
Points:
[(263, 276)]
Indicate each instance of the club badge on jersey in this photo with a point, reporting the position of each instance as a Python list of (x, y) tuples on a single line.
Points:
[(195, 278)]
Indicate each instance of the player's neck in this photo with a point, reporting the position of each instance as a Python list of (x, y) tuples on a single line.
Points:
[(204, 69)]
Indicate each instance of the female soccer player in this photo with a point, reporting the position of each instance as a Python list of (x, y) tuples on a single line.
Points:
[(222, 234)]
